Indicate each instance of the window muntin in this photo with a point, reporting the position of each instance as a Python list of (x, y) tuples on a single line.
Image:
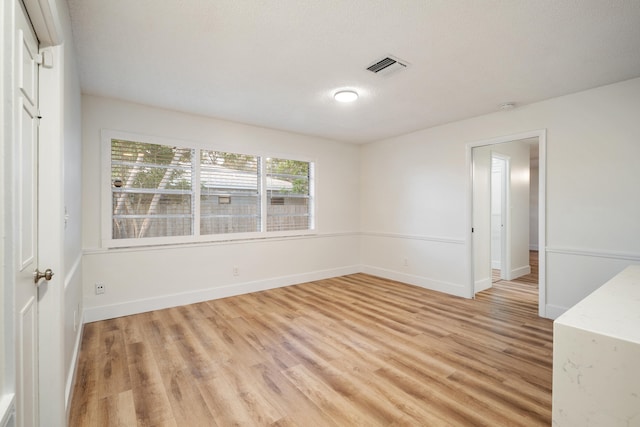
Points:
[(162, 193)]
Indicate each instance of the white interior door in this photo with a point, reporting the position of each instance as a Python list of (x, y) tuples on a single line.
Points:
[(500, 172), (496, 213), (26, 155)]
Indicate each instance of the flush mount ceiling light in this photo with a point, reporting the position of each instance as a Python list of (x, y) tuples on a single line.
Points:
[(346, 96)]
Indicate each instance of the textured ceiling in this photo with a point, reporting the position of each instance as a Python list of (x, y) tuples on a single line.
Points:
[(276, 63)]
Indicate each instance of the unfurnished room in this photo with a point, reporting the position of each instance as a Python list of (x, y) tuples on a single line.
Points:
[(320, 213)]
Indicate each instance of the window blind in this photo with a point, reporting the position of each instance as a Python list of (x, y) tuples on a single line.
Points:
[(151, 190)]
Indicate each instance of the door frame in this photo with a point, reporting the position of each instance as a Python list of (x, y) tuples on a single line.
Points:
[(7, 370), (541, 134)]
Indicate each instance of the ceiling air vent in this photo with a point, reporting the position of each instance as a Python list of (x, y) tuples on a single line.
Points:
[(387, 66)]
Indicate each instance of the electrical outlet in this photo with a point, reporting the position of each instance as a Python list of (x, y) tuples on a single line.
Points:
[(236, 270), (405, 262), (100, 288)]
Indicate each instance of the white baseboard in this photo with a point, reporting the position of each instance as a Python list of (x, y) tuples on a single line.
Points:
[(520, 271), (495, 265), (482, 284), (423, 282), (533, 247), (554, 311), (92, 314), (71, 375)]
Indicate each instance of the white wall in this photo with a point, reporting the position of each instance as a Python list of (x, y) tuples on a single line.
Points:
[(72, 189), (148, 278), (414, 197), (411, 208)]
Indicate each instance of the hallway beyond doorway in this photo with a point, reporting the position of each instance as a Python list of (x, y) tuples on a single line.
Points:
[(521, 294)]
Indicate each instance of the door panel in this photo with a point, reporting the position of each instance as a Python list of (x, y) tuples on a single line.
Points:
[(28, 72), (27, 226), (28, 366), (26, 151)]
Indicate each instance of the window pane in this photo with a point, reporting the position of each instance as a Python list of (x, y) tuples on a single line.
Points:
[(288, 195), (287, 176), (151, 189), (171, 215), (229, 199)]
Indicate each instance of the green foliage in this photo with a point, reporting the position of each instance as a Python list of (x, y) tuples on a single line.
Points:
[(288, 167)]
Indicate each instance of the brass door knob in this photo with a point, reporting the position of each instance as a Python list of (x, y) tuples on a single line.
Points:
[(37, 275)]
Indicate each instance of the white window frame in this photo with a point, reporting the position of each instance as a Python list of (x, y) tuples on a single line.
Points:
[(106, 195)]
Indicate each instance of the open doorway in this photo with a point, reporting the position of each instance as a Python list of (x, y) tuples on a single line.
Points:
[(507, 220)]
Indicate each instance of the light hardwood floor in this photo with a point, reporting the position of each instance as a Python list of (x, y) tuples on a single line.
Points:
[(529, 279), (353, 350)]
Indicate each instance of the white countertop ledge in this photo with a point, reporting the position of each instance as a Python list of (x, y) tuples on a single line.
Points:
[(612, 310)]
